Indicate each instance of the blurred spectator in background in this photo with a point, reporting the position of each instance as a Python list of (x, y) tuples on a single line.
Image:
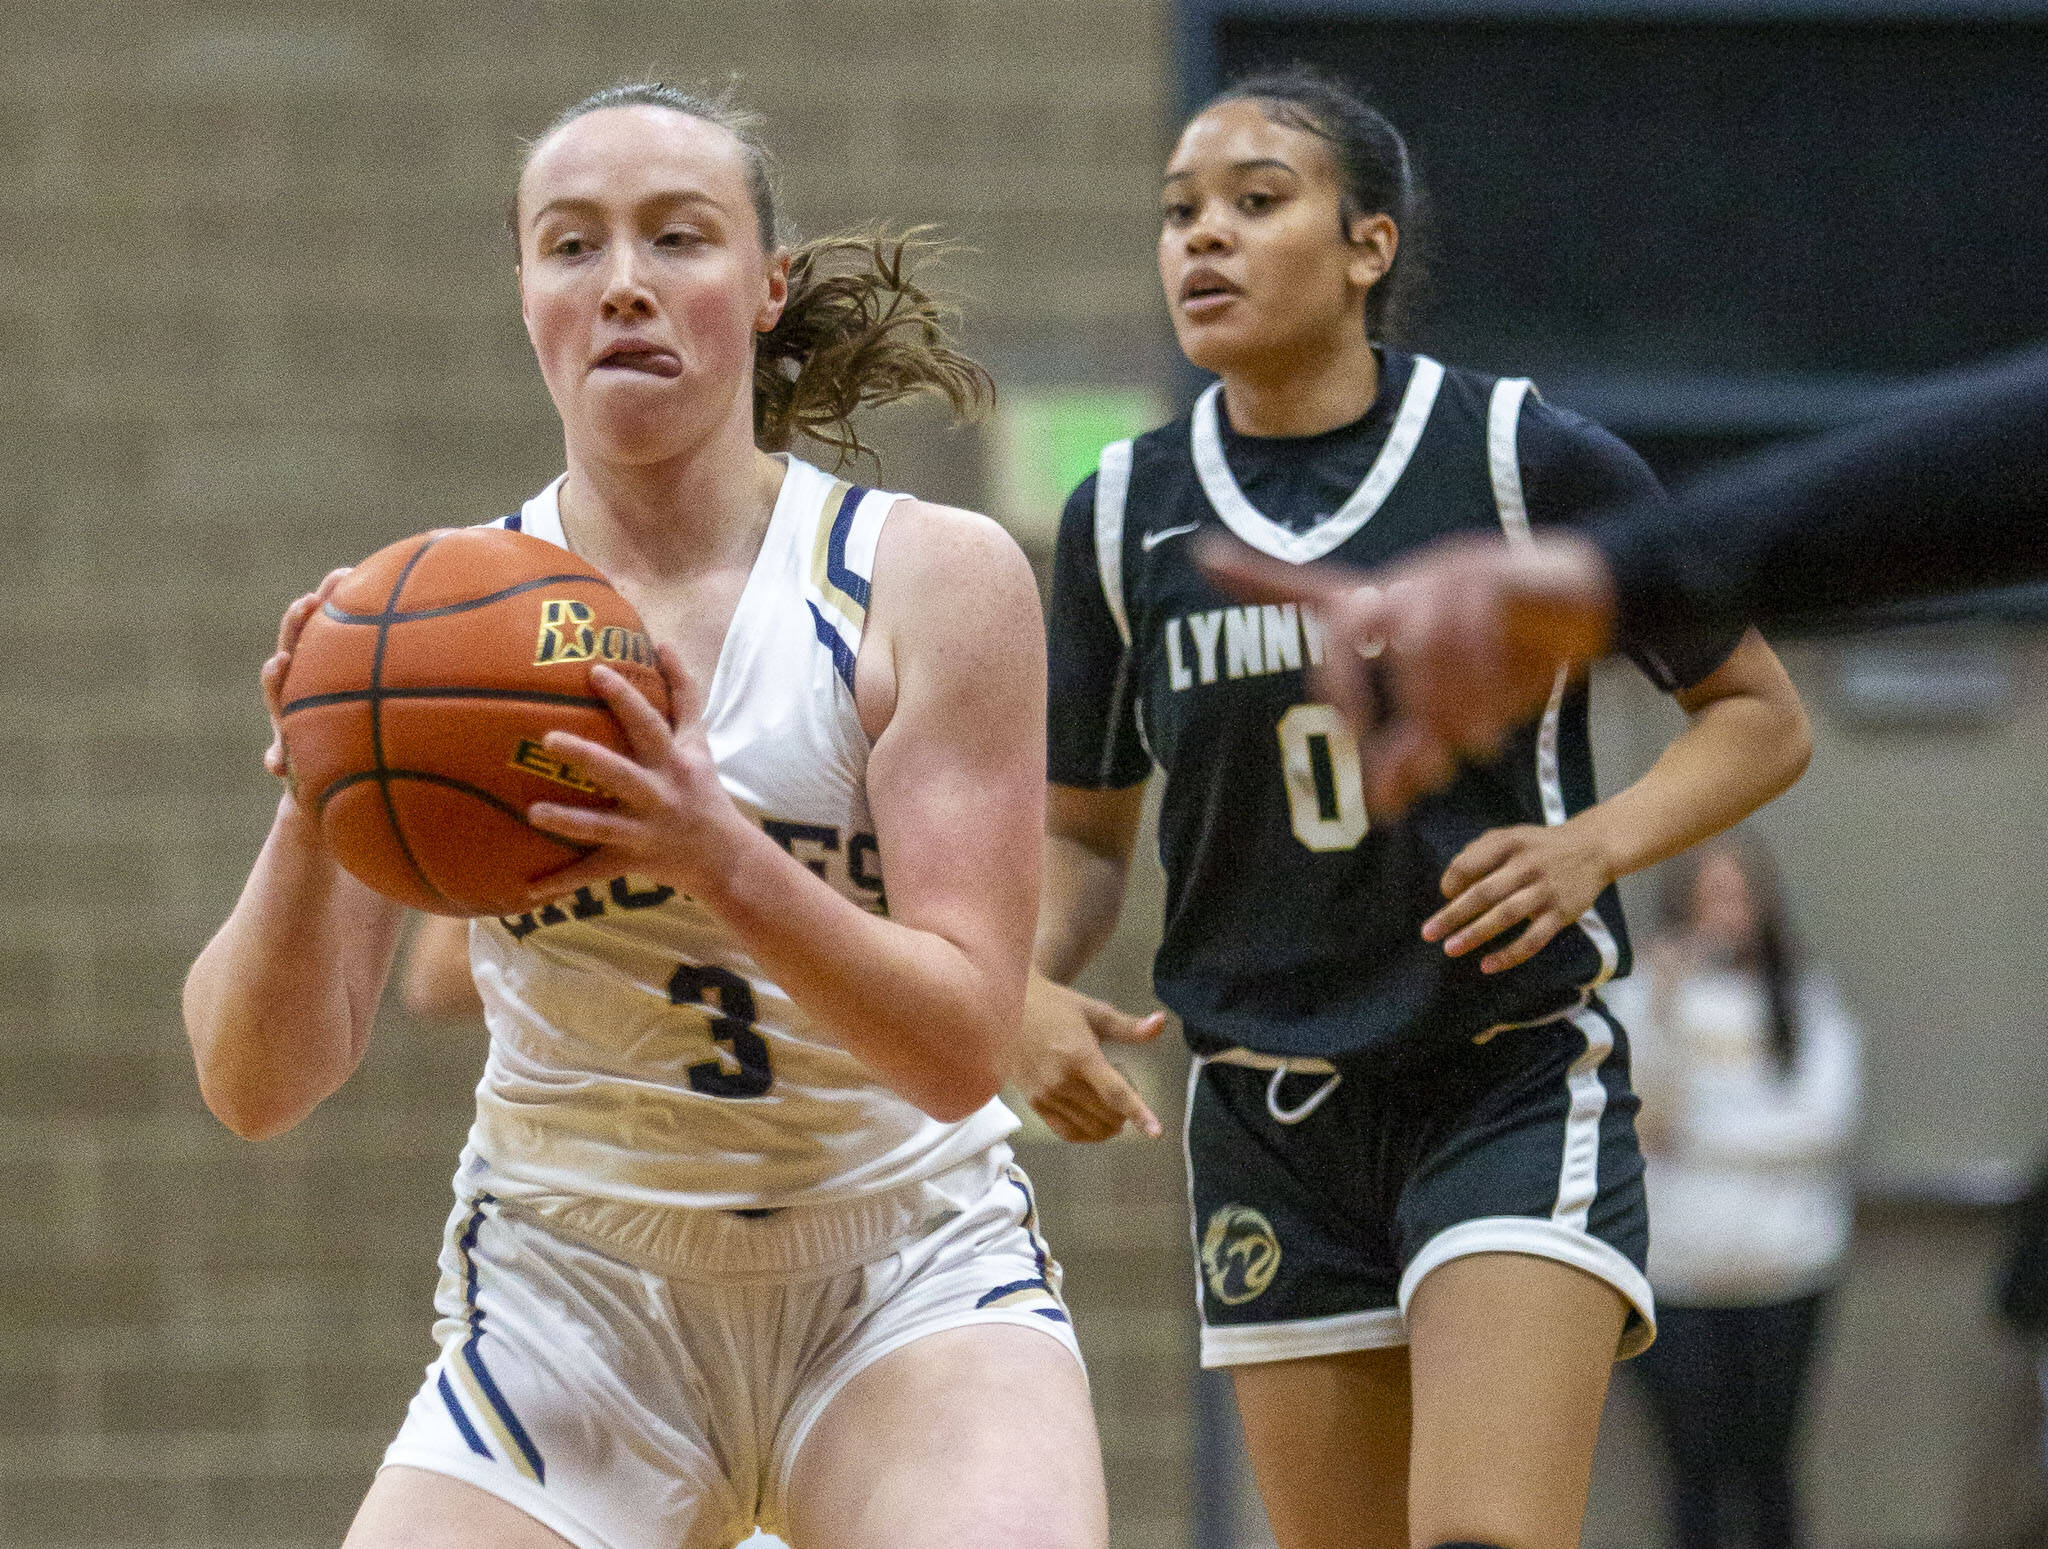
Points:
[(1747, 1063)]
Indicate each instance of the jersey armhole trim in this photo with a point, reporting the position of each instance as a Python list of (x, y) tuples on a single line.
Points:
[(1112, 492), (848, 532), (1112, 495), (1504, 466)]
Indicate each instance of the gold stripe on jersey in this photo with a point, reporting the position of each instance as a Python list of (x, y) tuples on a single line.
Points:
[(1034, 1295), (844, 592), (481, 1408)]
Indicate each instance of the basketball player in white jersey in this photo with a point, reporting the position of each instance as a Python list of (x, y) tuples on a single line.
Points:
[(737, 1239)]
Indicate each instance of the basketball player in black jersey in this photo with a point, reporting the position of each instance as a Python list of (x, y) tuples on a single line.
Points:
[(1417, 1196), (1946, 496)]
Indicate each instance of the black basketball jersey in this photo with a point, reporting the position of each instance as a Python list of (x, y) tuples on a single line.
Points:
[(1292, 922)]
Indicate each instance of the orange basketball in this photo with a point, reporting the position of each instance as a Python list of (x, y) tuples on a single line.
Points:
[(416, 704)]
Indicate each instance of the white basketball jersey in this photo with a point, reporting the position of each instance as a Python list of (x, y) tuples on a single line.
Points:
[(638, 1055)]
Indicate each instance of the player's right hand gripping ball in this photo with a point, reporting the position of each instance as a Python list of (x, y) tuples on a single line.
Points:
[(416, 703)]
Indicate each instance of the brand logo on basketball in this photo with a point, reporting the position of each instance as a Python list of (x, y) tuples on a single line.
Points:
[(1240, 1254), (566, 635), (535, 759)]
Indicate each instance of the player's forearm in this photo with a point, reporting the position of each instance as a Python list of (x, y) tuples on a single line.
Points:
[(1947, 495), (437, 983), (1078, 907), (1089, 839), (1736, 754), (926, 1012), (278, 1006)]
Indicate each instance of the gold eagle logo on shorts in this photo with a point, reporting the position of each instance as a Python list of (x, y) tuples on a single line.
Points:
[(1240, 1254)]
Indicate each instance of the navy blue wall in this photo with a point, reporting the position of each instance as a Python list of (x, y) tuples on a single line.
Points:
[(1708, 225)]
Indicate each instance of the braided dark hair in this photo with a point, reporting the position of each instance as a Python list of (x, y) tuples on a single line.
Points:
[(857, 328), (1375, 174)]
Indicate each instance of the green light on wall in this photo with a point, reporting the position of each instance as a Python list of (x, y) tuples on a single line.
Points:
[(1047, 441)]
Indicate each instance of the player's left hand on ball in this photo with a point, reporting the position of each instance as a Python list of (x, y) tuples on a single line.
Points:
[(669, 803), (1538, 877)]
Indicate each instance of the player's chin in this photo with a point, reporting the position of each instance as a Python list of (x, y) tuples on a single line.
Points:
[(636, 422), (1222, 342)]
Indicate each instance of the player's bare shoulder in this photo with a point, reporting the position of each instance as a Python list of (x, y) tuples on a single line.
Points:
[(926, 543), (952, 591)]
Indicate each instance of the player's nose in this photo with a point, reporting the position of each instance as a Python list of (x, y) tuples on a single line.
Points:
[(626, 293), (1208, 232)]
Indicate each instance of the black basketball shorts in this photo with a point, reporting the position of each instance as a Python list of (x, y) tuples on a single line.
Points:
[(1324, 1191)]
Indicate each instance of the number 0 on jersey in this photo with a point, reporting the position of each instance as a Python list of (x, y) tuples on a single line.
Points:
[(1325, 791)]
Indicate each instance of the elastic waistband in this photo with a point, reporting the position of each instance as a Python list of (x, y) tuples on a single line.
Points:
[(1282, 1066), (1251, 1059), (798, 1241), (1316, 1065), (1569, 1009)]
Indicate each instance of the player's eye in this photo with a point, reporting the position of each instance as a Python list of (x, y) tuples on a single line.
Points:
[(1176, 212), (569, 245), (679, 237), (1256, 201)]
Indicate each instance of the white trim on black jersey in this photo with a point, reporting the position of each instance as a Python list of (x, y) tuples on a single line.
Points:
[(1298, 548), (1112, 492), (1112, 488), (1504, 463)]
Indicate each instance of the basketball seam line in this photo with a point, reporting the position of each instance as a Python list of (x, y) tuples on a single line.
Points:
[(376, 703), (391, 615), (514, 695), (429, 777)]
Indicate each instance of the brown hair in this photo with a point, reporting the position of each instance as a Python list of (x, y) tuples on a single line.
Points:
[(1773, 953), (857, 329)]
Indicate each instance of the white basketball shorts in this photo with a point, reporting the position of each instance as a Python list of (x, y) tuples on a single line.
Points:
[(627, 1405)]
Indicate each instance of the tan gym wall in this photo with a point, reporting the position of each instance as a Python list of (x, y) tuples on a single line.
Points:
[(256, 319)]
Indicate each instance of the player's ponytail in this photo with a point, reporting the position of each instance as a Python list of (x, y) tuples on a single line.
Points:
[(857, 330), (1376, 175)]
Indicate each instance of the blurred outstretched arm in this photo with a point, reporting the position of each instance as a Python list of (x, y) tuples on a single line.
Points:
[(1440, 655)]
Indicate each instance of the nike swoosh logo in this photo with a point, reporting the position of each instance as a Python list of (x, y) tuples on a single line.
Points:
[(1152, 540)]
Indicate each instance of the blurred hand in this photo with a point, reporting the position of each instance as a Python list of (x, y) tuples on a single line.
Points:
[(1061, 1069), (274, 670), (1435, 659), (1545, 876)]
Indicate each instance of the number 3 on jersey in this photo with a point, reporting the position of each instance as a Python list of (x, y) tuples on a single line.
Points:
[(729, 1001), (1325, 791)]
